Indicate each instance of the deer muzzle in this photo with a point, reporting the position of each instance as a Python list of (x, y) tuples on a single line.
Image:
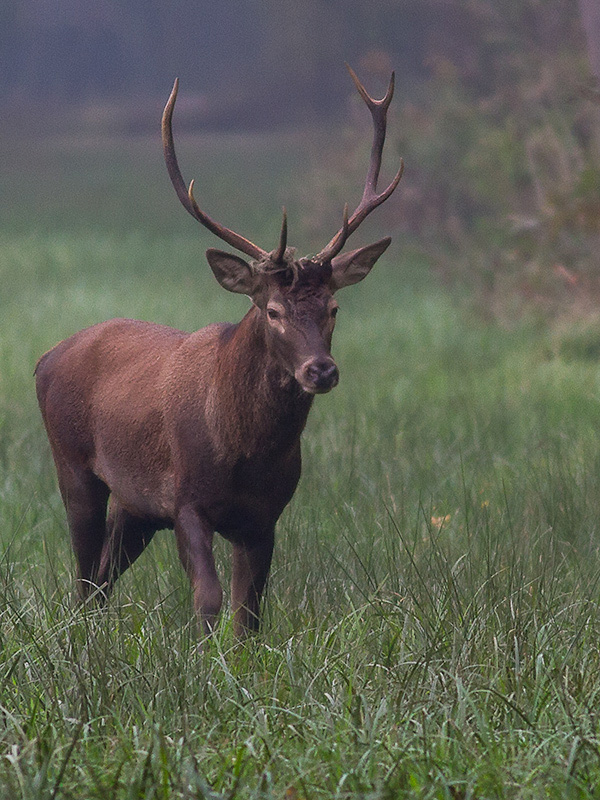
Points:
[(318, 375)]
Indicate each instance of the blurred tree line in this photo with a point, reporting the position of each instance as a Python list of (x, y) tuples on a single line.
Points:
[(271, 55), (255, 59), (506, 147)]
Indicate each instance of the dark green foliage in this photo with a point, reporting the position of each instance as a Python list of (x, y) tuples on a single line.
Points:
[(505, 151)]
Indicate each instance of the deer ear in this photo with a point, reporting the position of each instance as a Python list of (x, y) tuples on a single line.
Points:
[(352, 267), (232, 272)]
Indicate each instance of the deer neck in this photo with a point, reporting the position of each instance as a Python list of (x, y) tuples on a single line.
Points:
[(267, 409)]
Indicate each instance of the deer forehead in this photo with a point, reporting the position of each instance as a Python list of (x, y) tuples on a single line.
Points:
[(300, 299), (295, 283)]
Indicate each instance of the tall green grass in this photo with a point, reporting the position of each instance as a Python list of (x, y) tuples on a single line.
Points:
[(431, 626)]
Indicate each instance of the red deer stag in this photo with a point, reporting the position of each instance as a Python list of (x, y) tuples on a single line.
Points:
[(154, 428)]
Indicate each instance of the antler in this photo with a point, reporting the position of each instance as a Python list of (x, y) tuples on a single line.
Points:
[(370, 199), (278, 256), (187, 195)]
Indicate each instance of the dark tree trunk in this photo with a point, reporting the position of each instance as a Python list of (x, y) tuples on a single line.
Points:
[(590, 17)]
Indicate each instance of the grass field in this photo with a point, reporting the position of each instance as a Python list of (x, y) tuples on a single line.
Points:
[(432, 626)]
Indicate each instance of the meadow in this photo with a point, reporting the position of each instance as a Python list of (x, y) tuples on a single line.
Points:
[(431, 628)]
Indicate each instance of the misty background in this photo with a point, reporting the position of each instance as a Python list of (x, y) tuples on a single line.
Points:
[(496, 115), (262, 62)]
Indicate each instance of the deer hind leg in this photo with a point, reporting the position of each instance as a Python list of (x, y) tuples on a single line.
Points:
[(194, 537), (126, 538), (85, 497), (251, 564)]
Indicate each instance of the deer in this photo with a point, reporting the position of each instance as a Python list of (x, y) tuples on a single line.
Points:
[(154, 428)]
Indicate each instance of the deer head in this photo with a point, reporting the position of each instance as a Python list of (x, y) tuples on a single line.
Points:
[(295, 297)]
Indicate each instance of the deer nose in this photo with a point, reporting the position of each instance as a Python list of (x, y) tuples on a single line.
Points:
[(319, 375)]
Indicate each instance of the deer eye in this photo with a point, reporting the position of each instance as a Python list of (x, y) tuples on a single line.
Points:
[(273, 313), (334, 311)]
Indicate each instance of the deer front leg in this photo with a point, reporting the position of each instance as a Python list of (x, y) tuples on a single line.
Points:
[(194, 538), (251, 564)]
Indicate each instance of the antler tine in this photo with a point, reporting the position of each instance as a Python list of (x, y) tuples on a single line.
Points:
[(370, 101), (370, 199), (277, 255), (186, 196)]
